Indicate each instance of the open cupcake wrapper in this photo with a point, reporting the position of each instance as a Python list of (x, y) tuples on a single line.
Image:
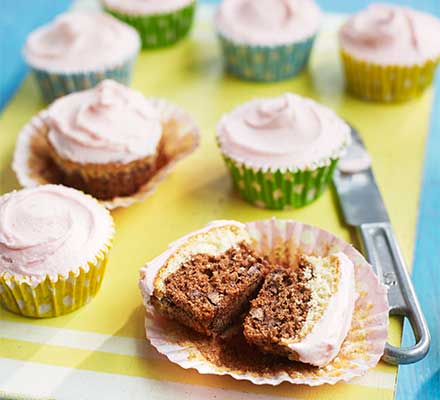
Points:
[(33, 165), (159, 30), (52, 298), (265, 63), (386, 83), (56, 84), (281, 241), (280, 190)]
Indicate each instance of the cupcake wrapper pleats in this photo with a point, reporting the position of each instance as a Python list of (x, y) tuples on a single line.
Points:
[(265, 63), (388, 83), (53, 85), (49, 298), (159, 30), (280, 189)]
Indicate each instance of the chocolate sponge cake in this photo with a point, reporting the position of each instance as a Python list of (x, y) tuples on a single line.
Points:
[(205, 280), (304, 313)]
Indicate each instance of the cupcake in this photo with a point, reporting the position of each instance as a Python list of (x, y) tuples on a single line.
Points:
[(282, 151), (267, 40), (105, 141), (389, 52), (78, 50), (267, 301), (159, 23), (54, 243)]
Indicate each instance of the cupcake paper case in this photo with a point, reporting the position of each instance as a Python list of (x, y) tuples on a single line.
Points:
[(34, 165), (282, 152), (54, 245), (267, 41), (389, 53), (159, 24), (78, 50), (282, 241)]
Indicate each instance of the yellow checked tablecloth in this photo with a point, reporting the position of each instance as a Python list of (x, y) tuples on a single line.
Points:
[(100, 351)]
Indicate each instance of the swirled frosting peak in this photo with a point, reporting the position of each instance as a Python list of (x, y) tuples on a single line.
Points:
[(50, 230), (268, 22), (81, 41), (389, 34), (109, 123), (282, 132)]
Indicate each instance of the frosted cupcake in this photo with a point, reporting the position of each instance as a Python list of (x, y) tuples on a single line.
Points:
[(389, 52), (54, 243), (79, 49), (159, 23), (282, 151), (267, 40), (105, 140)]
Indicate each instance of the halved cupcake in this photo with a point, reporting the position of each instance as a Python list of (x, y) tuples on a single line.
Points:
[(205, 280), (106, 140), (304, 314)]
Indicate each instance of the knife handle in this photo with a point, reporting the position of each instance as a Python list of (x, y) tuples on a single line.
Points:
[(382, 251)]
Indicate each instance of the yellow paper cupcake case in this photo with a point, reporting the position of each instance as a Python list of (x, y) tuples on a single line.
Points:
[(51, 298), (386, 83)]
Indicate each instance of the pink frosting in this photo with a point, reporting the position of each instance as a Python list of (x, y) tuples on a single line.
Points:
[(268, 22), (137, 7), (285, 132), (81, 41), (109, 123), (388, 34), (50, 230), (324, 341)]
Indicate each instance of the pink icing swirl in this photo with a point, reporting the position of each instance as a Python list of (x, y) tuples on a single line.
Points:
[(391, 34), (268, 22), (50, 230), (80, 41), (109, 123), (282, 132)]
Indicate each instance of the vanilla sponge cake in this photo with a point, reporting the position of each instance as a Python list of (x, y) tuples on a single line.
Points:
[(206, 279), (304, 313)]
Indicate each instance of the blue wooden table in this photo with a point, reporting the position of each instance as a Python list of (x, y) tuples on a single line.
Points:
[(417, 381)]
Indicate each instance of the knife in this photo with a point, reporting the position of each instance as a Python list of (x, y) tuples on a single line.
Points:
[(364, 210)]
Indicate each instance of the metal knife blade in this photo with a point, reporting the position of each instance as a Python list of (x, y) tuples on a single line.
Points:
[(363, 208), (359, 195)]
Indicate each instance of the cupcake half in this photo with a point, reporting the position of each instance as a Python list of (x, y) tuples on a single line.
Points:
[(105, 141), (267, 40), (389, 52), (54, 244), (205, 279), (159, 23), (282, 151), (79, 49), (294, 313)]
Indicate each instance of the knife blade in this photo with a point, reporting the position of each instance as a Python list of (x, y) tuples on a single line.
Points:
[(363, 209)]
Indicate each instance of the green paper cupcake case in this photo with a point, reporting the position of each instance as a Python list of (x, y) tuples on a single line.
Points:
[(159, 30), (265, 63), (55, 84), (280, 189)]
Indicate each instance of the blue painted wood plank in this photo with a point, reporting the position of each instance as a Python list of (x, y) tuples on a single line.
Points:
[(17, 19)]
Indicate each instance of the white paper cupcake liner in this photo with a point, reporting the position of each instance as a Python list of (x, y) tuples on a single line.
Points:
[(33, 165), (283, 240)]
